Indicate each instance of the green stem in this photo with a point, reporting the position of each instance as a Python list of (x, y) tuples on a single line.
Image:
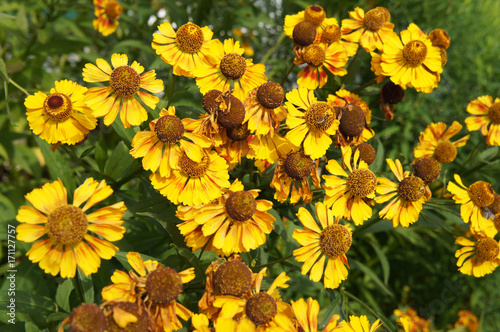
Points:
[(205, 246), (473, 152), (364, 86), (18, 86), (287, 73), (365, 226), (273, 262), (426, 216), (272, 49), (351, 296)]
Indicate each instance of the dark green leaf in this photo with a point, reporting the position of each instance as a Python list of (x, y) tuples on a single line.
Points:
[(119, 161), (383, 261), (62, 295), (169, 225), (57, 165), (86, 287), (366, 270)]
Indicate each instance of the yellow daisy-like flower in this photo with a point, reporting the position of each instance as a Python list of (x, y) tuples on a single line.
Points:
[(69, 244), (359, 324), (478, 258), (62, 115), (156, 145), (236, 223), (311, 122), (318, 57), (411, 60), (193, 183), (230, 71), (125, 83), (371, 29), (266, 147), (159, 286), (472, 200), (307, 316), (331, 241), (263, 308), (407, 196), (435, 142), (185, 49), (201, 324), (107, 12), (292, 173), (485, 113), (313, 14), (346, 194)]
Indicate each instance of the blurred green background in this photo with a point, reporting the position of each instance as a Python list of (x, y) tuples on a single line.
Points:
[(45, 41)]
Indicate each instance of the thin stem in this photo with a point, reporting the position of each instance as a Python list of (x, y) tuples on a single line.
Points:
[(364, 86), (204, 247), (18, 86), (272, 49), (426, 216), (287, 73), (273, 262), (473, 152), (351, 296)]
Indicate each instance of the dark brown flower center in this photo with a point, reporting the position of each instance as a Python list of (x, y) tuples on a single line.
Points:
[(414, 53), (233, 66), (163, 285), (481, 193), (445, 152), (87, 317), (494, 113), (320, 116), (374, 19), (304, 33), (117, 309), (411, 188), (270, 95), (233, 115), (211, 101), (367, 152), (241, 205), (392, 93), (298, 166), (487, 249), (428, 169), (67, 224), (239, 133), (233, 278), (169, 129), (353, 120), (440, 38), (314, 55), (335, 240), (315, 14), (361, 182), (261, 308), (495, 206), (58, 106), (125, 81), (192, 168), (331, 34), (113, 10), (190, 38)]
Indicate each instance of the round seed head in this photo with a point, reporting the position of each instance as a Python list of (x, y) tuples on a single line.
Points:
[(367, 152), (234, 115), (481, 193), (270, 95), (335, 240), (428, 169), (67, 224), (233, 278), (411, 188), (261, 308), (241, 205), (163, 285), (304, 33), (298, 166), (487, 249), (87, 317), (353, 120)]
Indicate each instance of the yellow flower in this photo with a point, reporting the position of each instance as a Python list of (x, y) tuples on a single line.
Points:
[(186, 49), (307, 316), (359, 324), (68, 243), (266, 147), (107, 12), (263, 309), (311, 122), (313, 14), (237, 222), (193, 183), (435, 142), (230, 71), (159, 286), (371, 29), (332, 57), (408, 195), (479, 257), (467, 319), (485, 113), (60, 116), (125, 83), (331, 241), (472, 200), (411, 60), (156, 145), (346, 194), (411, 322)]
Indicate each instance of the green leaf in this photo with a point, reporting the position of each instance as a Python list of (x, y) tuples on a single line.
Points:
[(383, 261), (62, 294), (57, 165), (86, 287), (119, 161), (369, 273), (29, 326), (3, 70), (376, 166), (127, 134), (169, 226), (335, 298)]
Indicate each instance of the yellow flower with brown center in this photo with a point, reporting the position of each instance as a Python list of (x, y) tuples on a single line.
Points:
[(371, 29), (184, 49), (311, 122), (156, 145), (478, 257), (193, 183), (328, 241), (125, 83), (159, 286), (485, 116), (435, 142), (315, 15), (346, 192), (407, 196), (107, 12), (61, 116), (472, 200), (262, 308), (68, 243), (237, 222), (359, 324), (230, 71), (318, 57), (411, 60)]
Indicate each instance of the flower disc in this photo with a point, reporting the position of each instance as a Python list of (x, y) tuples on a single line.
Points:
[(87, 317), (233, 66), (331, 34), (367, 153), (163, 285), (414, 53), (335, 240), (210, 101), (392, 93), (58, 106), (481, 193), (125, 81), (192, 168), (241, 205), (315, 14), (445, 152), (233, 278), (270, 95), (67, 224), (428, 169), (440, 38), (494, 113), (261, 308), (298, 166), (374, 19), (320, 116), (190, 38), (239, 133), (487, 249), (169, 129), (314, 55), (353, 120), (304, 33), (119, 308), (234, 115), (361, 182), (411, 188)]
